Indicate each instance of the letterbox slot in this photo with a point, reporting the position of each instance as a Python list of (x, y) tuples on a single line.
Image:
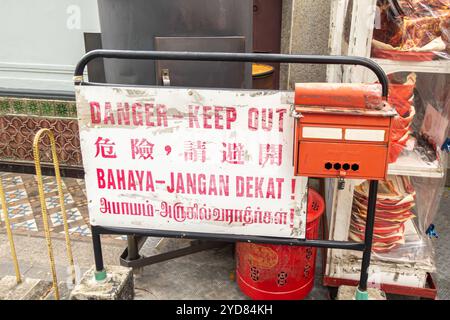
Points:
[(339, 158)]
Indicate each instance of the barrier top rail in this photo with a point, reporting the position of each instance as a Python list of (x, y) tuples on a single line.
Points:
[(231, 57)]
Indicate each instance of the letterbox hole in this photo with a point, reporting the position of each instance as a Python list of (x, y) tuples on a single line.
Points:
[(355, 167), (337, 166), (346, 166), (328, 165)]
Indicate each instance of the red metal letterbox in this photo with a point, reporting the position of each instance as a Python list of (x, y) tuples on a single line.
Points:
[(342, 131)]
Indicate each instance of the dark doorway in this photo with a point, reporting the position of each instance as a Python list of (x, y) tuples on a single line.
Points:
[(267, 30)]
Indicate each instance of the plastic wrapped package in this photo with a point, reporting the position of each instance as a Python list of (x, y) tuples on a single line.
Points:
[(429, 194), (395, 200), (433, 97), (412, 30), (430, 129), (430, 125), (423, 122), (402, 212), (407, 205)]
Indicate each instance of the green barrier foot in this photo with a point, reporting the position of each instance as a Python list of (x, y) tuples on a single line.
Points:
[(361, 295), (100, 276)]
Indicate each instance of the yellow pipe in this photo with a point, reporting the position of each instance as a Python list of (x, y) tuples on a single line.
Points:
[(37, 162), (63, 206), (10, 236)]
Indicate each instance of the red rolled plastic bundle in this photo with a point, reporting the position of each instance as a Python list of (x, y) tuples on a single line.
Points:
[(393, 210), (401, 98), (350, 95), (396, 147), (394, 152)]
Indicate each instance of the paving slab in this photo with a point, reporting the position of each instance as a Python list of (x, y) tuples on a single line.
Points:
[(28, 289)]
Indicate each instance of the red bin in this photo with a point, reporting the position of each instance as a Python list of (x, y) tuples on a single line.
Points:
[(276, 272)]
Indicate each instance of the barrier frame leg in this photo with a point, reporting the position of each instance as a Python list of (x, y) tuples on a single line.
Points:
[(361, 291), (100, 272)]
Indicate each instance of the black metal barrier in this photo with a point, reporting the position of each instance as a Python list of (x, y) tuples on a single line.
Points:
[(365, 247)]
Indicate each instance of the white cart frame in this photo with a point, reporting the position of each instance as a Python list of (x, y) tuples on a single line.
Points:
[(354, 22)]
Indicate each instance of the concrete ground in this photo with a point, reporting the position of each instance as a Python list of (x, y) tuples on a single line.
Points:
[(204, 275), (442, 247)]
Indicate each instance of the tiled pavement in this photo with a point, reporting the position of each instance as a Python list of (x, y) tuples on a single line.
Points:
[(24, 207)]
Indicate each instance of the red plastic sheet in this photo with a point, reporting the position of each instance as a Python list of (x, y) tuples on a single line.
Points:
[(401, 98)]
